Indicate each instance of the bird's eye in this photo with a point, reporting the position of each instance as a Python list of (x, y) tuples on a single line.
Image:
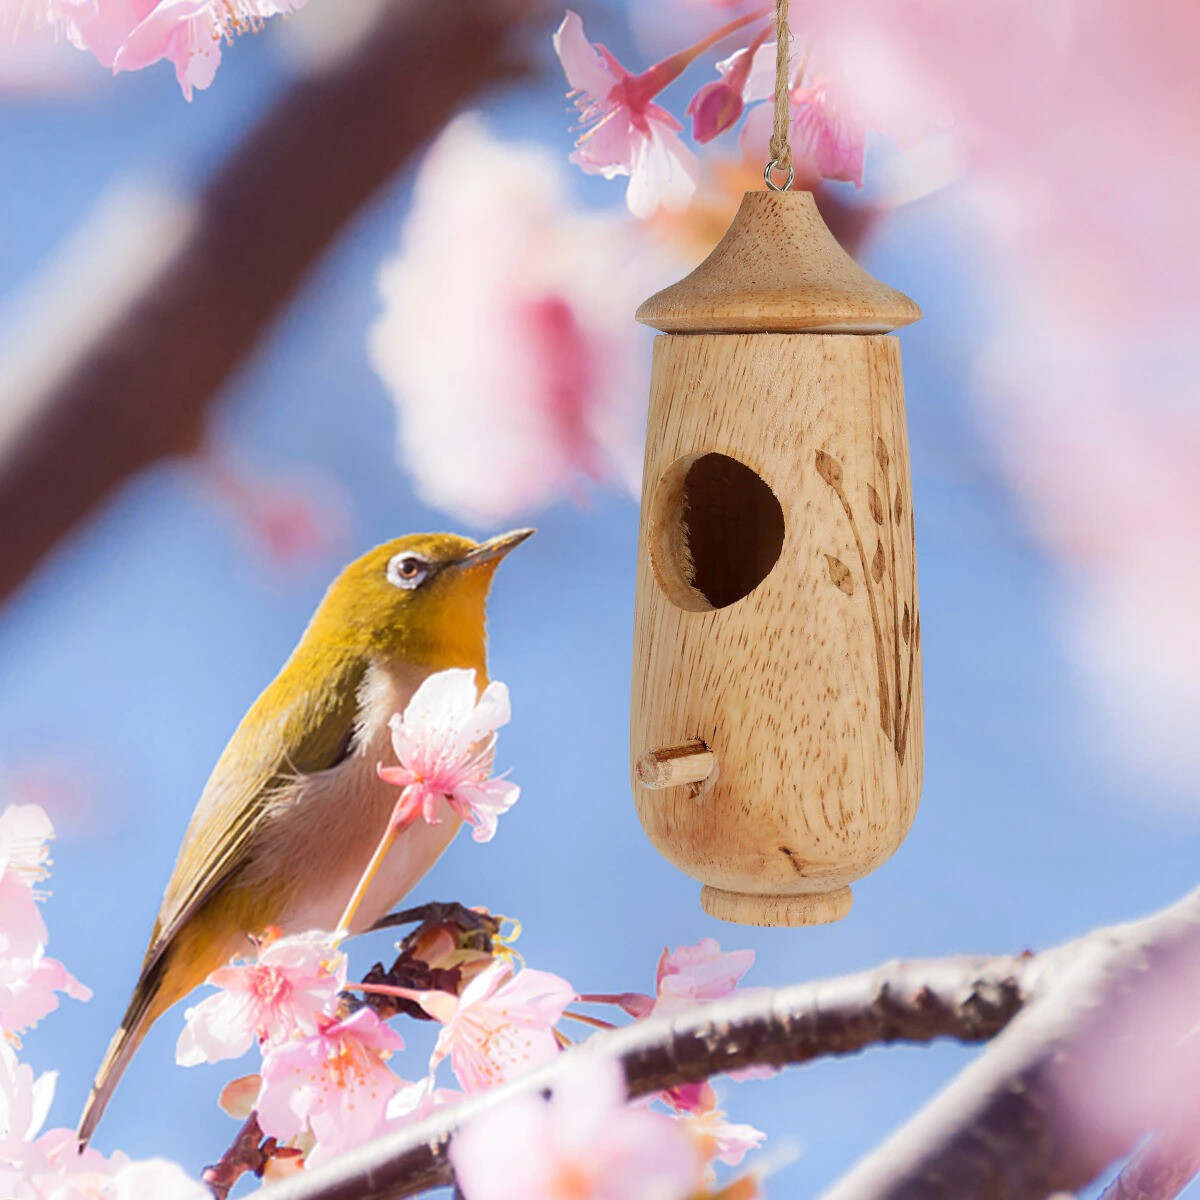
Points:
[(407, 570)]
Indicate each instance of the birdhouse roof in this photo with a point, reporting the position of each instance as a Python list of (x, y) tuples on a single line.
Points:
[(778, 269)]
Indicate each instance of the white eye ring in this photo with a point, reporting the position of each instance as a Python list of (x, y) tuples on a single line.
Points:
[(407, 570)]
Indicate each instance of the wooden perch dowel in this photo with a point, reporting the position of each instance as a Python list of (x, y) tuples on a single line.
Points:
[(692, 763)]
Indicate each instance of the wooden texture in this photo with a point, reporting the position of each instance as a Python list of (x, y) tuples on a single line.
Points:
[(808, 689), (778, 268), (680, 764)]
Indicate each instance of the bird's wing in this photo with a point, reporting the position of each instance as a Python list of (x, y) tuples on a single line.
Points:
[(309, 728)]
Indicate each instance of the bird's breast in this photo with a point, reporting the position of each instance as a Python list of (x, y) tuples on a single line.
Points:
[(334, 819)]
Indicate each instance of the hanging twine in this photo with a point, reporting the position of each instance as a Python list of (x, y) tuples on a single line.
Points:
[(781, 149)]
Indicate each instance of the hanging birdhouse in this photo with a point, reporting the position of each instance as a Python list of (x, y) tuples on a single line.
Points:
[(777, 713)]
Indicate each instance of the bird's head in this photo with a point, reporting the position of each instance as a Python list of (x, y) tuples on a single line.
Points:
[(422, 597)]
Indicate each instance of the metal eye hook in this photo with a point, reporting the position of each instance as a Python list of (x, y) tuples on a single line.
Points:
[(769, 174)]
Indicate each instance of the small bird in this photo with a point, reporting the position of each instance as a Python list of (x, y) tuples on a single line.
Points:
[(294, 808)]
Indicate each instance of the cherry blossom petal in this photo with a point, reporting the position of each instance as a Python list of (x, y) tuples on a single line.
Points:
[(502, 1025), (480, 805), (157, 1178), (585, 1142), (586, 69), (700, 972), (663, 173), (286, 992), (334, 1084), (826, 134), (29, 990), (722, 1141), (715, 108)]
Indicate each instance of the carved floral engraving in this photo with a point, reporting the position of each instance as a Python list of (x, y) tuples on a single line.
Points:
[(897, 641)]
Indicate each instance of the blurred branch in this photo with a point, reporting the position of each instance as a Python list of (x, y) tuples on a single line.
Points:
[(1101, 1056), (965, 998), (139, 386)]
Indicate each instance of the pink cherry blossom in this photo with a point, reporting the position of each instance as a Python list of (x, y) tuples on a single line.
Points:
[(626, 132), (718, 105), (29, 987), (157, 1178), (285, 992), (25, 831), (551, 399), (415, 1101), (688, 976), (24, 1100), (827, 136), (443, 741), (720, 1140), (696, 1099), (130, 34), (334, 1084), (585, 1143), (501, 1026), (695, 974)]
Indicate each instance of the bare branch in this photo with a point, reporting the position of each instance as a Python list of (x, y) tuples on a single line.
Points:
[(969, 999), (247, 1152), (1099, 1059), (139, 389)]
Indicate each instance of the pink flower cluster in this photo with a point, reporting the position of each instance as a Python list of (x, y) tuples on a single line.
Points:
[(587, 1142), (625, 132), (326, 1085), (29, 980), (127, 35), (37, 1165)]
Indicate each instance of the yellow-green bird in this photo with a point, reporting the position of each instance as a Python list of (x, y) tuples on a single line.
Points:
[(294, 808)]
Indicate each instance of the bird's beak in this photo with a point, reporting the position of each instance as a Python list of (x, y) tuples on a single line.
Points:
[(494, 549)]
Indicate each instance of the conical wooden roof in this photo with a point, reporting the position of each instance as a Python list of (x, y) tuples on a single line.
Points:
[(778, 269)]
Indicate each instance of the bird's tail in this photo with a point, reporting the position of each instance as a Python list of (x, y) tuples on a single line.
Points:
[(145, 1007)]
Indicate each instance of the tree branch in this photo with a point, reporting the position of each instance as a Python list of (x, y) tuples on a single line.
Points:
[(138, 390), (1099, 1059), (969, 999), (1094, 1043)]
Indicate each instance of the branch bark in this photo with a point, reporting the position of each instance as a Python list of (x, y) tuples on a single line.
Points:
[(969, 999), (1100, 1058), (139, 390)]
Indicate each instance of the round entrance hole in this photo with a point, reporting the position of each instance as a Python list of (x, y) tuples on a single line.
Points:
[(716, 530)]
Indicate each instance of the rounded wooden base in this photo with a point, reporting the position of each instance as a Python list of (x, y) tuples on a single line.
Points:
[(745, 908)]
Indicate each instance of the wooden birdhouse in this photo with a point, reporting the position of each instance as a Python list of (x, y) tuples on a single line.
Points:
[(777, 712)]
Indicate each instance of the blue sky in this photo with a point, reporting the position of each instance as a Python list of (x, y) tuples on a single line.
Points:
[(137, 647)]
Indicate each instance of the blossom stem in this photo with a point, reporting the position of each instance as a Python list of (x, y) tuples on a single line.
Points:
[(652, 81), (584, 1019), (385, 989), (618, 999), (396, 822)]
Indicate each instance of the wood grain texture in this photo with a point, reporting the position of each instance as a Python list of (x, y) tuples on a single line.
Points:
[(778, 268), (808, 689)]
